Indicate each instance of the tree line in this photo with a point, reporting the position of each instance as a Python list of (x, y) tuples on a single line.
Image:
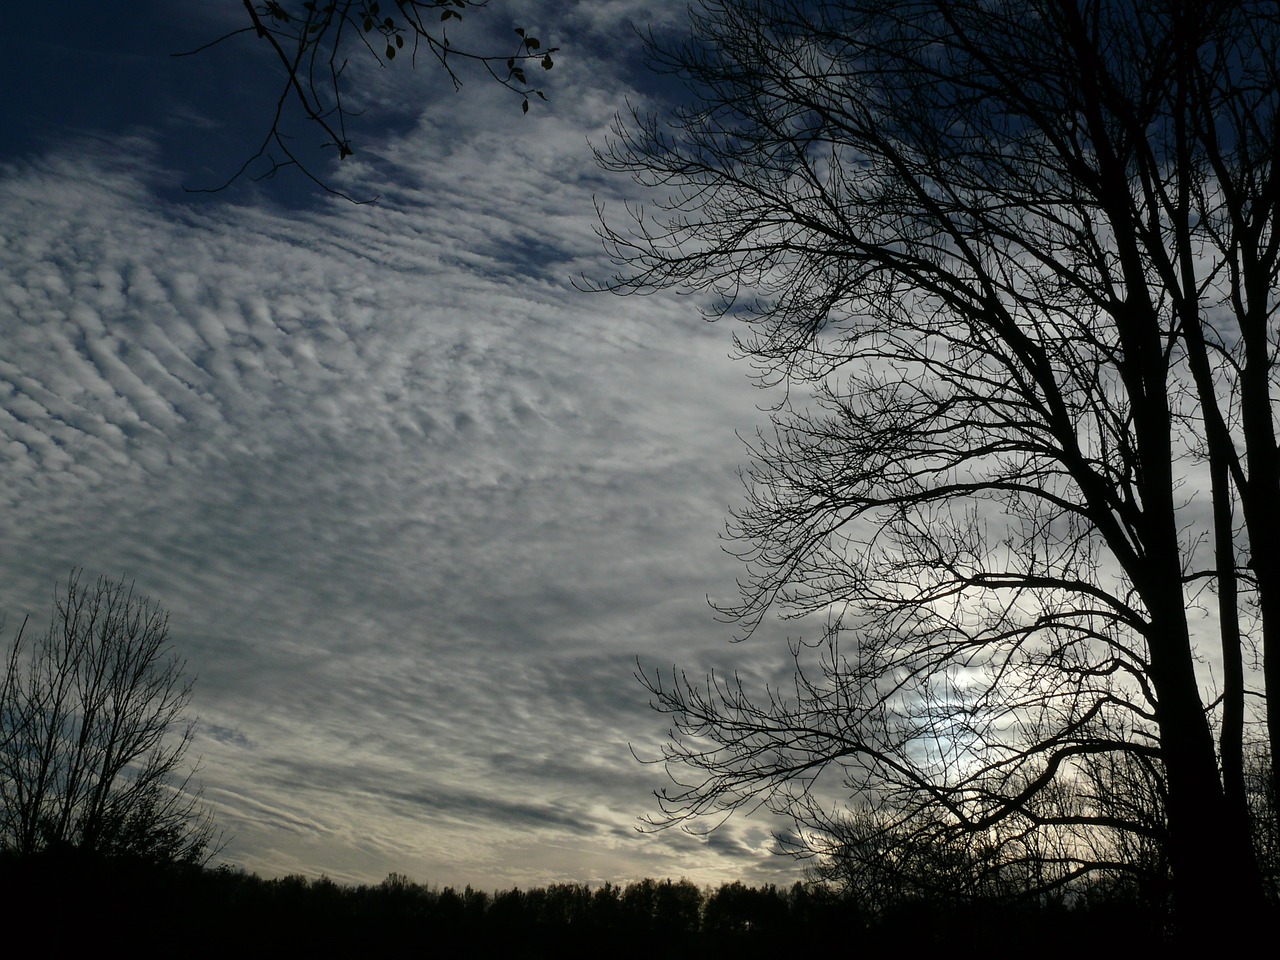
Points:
[(216, 910)]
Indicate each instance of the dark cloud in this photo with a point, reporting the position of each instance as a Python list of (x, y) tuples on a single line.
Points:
[(226, 735)]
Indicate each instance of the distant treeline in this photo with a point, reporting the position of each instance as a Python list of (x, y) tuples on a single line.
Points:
[(193, 910)]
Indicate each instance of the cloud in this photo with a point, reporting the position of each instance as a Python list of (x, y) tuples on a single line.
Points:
[(415, 502)]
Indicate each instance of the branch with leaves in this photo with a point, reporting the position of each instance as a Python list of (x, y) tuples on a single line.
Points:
[(314, 42)]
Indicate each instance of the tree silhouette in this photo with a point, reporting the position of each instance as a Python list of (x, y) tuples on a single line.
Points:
[(1016, 264), (93, 732)]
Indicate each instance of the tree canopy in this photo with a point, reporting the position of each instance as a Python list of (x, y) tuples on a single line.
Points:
[(1017, 265)]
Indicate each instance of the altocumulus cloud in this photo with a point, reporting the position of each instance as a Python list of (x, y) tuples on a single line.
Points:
[(415, 502)]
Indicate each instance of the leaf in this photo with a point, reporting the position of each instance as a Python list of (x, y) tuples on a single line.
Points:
[(547, 63), (373, 9), (399, 40), (519, 31), (391, 52), (532, 43), (368, 24), (524, 107)]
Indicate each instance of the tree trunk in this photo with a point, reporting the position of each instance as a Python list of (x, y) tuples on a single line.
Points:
[(1215, 875)]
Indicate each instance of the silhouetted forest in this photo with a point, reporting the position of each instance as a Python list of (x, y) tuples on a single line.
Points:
[(199, 910)]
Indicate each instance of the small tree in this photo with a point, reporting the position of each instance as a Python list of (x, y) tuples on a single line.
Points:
[(94, 730)]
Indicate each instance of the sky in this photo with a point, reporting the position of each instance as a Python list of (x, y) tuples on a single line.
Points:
[(417, 504)]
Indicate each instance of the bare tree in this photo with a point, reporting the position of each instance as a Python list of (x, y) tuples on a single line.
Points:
[(314, 41), (94, 731), (1017, 264)]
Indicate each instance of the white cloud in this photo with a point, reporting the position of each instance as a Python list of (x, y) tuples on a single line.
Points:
[(414, 501)]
